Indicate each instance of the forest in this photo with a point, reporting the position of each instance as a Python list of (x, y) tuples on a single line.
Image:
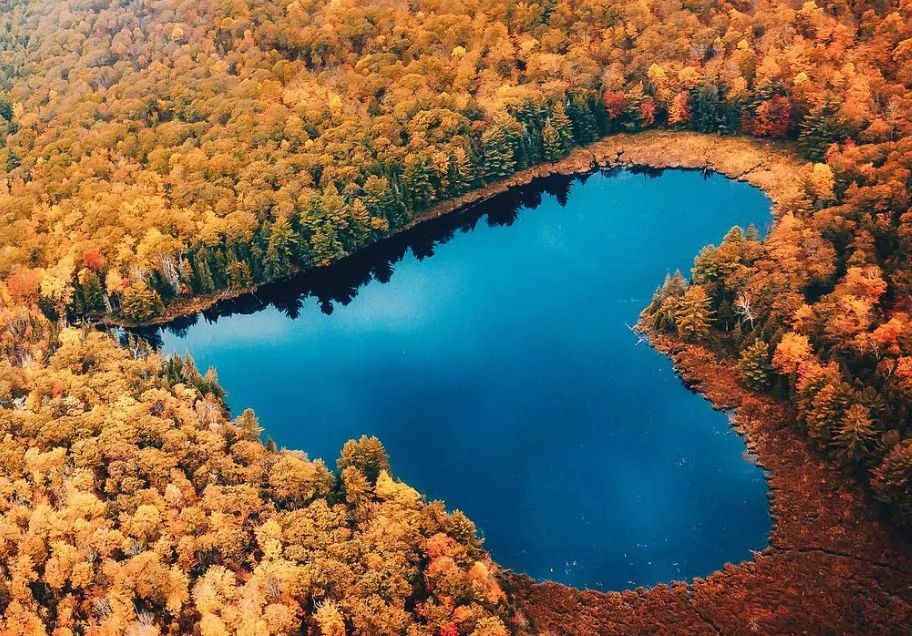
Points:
[(157, 151)]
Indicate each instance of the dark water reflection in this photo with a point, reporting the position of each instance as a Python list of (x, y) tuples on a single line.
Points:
[(497, 368), (339, 283)]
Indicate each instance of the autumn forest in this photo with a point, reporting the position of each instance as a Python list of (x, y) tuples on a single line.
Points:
[(160, 155)]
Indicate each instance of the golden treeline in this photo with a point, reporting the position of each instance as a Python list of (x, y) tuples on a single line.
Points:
[(157, 150)]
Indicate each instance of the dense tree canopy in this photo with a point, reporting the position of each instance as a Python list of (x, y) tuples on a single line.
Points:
[(157, 150), (130, 503)]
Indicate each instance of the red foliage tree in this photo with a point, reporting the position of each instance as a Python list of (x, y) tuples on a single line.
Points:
[(449, 629), (772, 117), (93, 259), (24, 284), (647, 112), (615, 102), (679, 109)]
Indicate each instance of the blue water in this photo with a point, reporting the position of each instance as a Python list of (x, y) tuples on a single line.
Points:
[(499, 372)]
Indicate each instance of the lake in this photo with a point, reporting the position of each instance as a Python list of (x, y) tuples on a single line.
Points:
[(489, 350)]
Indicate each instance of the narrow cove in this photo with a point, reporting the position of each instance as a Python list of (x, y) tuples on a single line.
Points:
[(489, 350)]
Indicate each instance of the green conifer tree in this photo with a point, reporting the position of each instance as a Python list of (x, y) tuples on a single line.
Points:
[(855, 436), (497, 159), (280, 250), (359, 227), (418, 181), (826, 408), (218, 267), (891, 480), (706, 107), (325, 246), (202, 280), (238, 273), (523, 151), (257, 258), (459, 172), (383, 200), (90, 292), (563, 127), (662, 309), (585, 128), (822, 126), (754, 365), (706, 270), (693, 315), (551, 143)]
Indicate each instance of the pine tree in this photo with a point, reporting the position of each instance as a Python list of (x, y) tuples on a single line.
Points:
[(551, 142), (523, 151), (754, 365), (325, 246), (202, 277), (218, 267), (6, 107), (280, 250), (734, 236), (238, 274), (417, 181), (603, 124), (583, 122), (706, 270), (891, 480), (706, 107), (563, 127), (459, 172), (663, 307), (382, 199), (359, 224), (257, 255), (161, 286), (693, 314), (497, 161), (855, 437), (531, 116), (737, 332), (536, 145), (90, 292), (825, 411), (822, 126)]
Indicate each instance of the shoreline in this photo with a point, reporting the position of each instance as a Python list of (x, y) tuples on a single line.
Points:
[(767, 165)]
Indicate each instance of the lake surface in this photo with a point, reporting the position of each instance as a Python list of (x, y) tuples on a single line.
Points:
[(490, 353)]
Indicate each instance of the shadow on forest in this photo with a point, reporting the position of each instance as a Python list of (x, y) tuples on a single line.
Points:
[(340, 282)]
